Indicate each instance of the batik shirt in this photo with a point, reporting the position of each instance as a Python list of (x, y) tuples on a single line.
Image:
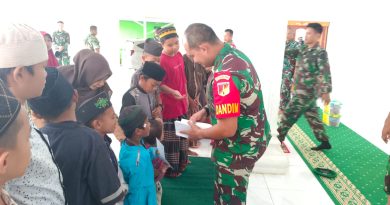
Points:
[(234, 90), (312, 73), (196, 77)]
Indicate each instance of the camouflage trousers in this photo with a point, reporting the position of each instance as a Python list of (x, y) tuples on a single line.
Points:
[(387, 178), (285, 89), (298, 106), (63, 59), (230, 185)]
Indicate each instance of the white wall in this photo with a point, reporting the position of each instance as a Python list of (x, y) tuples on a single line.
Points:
[(357, 44)]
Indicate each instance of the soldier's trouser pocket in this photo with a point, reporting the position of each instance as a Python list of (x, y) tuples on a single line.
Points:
[(230, 185)]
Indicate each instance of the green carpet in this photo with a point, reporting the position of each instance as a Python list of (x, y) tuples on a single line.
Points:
[(194, 187), (360, 165)]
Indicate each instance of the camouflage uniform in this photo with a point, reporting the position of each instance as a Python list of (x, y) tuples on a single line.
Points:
[(287, 75), (62, 38), (92, 42), (311, 79), (234, 90)]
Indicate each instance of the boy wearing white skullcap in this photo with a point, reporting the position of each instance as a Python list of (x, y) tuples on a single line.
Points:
[(23, 57)]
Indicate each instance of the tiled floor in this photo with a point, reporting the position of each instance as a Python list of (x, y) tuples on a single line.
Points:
[(297, 187)]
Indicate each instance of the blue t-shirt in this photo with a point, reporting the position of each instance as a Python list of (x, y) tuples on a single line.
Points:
[(136, 165), (84, 160)]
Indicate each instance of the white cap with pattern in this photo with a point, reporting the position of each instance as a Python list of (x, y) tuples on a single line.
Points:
[(21, 45)]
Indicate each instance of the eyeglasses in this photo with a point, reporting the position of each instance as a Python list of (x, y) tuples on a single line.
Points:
[(143, 126)]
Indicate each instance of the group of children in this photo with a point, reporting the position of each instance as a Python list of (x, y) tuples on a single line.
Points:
[(70, 114)]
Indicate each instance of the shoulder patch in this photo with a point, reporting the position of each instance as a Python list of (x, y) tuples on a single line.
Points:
[(226, 95)]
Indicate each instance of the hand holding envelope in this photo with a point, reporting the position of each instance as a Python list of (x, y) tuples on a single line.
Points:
[(187, 129)]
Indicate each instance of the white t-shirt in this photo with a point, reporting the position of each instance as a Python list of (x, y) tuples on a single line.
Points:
[(41, 181)]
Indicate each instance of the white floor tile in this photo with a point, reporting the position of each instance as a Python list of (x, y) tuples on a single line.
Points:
[(293, 156), (259, 197), (297, 178), (294, 197), (268, 189), (257, 181)]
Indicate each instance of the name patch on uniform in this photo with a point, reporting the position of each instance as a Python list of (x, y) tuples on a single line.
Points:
[(231, 108), (226, 95)]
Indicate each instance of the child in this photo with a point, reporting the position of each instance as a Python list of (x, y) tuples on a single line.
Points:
[(152, 53), (22, 67), (97, 113), (89, 73), (135, 159), (52, 61), (144, 93), (82, 155), (89, 76), (174, 99), (14, 141), (160, 165)]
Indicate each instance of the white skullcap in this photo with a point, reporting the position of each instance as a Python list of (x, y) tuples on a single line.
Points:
[(21, 45)]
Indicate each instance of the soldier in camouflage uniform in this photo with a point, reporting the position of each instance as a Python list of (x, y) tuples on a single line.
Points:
[(91, 42), (235, 104), (386, 137), (61, 40), (288, 71), (312, 79)]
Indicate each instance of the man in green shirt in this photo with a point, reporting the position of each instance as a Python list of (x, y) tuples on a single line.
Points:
[(91, 42), (312, 80), (235, 104), (61, 40), (288, 72)]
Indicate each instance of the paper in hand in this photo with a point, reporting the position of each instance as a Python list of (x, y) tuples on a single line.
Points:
[(183, 125)]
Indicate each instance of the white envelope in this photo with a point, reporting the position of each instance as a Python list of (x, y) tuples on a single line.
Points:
[(183, 125)]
